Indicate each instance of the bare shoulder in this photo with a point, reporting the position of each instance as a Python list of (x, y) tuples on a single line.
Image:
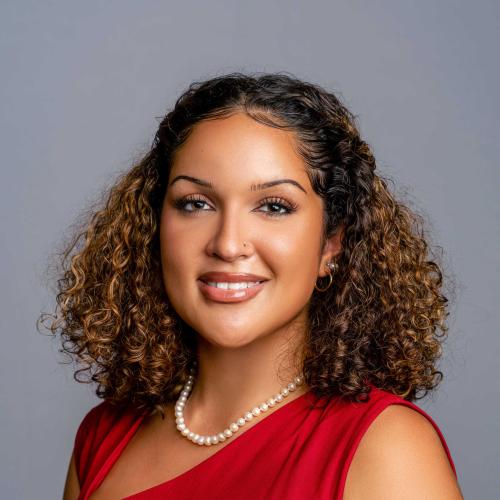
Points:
[(399, 457)]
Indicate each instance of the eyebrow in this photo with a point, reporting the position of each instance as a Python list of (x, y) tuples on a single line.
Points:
[(253, 187)]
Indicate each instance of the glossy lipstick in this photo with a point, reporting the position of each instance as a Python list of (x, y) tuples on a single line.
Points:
[(224, 295)]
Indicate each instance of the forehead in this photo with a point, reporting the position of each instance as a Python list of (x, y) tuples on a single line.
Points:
[(238, 149)]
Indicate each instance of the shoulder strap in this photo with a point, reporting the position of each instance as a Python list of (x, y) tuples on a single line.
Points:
[(85, 438), (101, 437)]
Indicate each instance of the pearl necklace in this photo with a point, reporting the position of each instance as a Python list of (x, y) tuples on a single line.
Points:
[(234, 426)]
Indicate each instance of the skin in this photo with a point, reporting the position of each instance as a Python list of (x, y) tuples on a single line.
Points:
[(401, 457), (245, 349)]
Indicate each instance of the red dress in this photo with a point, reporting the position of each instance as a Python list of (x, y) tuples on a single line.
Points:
[(299, 451)]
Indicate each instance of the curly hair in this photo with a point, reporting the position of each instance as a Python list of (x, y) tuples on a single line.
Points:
[(382, 321)]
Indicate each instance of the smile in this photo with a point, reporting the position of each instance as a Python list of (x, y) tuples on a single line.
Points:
[(220, 291)]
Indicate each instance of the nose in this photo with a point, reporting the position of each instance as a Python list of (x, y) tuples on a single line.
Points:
[(227, 241)]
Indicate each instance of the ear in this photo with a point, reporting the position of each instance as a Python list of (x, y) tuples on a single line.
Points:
[(332, 247)]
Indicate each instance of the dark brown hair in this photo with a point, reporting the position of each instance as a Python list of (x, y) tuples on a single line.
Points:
[(381, 322)]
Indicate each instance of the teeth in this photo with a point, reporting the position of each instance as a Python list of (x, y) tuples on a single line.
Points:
[(233, 286)]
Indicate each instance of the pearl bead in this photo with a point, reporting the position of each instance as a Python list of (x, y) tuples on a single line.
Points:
[(291, 386), (228, 433), (234, 427), (271, 402), (256, 411), (221, 437), (285, 391), (278, 398), (248, 416)]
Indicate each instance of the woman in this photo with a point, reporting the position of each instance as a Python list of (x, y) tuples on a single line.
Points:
[(257, 310)]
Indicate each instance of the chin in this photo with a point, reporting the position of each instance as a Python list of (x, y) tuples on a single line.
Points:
[(232, 340)]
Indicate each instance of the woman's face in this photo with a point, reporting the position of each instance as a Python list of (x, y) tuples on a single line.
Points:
[(234, 227)]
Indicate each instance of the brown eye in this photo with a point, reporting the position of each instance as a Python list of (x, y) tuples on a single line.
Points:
[(282, 204), (181, 203)]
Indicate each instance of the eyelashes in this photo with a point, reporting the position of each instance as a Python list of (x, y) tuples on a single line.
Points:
[(287, 206)]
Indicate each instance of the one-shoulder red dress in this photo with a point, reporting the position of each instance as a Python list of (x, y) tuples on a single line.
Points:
[(302, 450)]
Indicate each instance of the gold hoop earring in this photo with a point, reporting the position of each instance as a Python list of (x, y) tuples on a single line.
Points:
[(332, 266), (328, 286)]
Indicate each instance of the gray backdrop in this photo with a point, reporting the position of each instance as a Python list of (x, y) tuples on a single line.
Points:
[(81, 85)]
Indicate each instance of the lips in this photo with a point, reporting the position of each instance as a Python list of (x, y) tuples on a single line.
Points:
[(219, 276), (216, 294)]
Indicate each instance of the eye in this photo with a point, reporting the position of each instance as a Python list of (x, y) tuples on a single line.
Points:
[(181, 203), (282, 204)]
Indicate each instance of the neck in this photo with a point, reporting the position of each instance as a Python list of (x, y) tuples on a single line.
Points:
[(231, 381)]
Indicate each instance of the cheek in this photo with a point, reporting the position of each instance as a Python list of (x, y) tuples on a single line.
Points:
[(293, 255)]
